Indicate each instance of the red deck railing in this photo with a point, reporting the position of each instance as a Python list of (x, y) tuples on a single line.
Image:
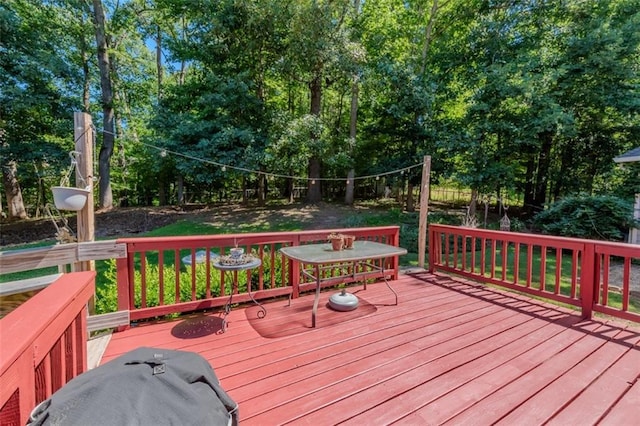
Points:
[(155, 280), (43, 345), (593, 275), (43, 342)]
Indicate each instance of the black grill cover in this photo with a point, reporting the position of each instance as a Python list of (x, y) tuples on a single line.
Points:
[(146, 386)]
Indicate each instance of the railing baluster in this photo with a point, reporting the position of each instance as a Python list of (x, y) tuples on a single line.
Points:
[(473, 254), (505, 250), (529, 265), (143, 279), (483, 252), (176, 266), (516, 262), (193, 274), (626, 281), (556, 289), (605, 279), (160, 277), (543, 267), (574, 272)]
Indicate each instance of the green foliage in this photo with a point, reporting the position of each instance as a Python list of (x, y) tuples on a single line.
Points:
[(535, 115), (444, 218), (595, 217), (517, 225), (107, 290), (528, 97), (408, 223)]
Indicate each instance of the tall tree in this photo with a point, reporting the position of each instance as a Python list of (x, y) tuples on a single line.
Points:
[(39, 93), (537, 72), (108, 113), (315, 54)]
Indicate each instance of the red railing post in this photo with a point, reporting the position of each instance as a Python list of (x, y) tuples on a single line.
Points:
[(294, 270), (433, 248), (588, 280), (395, 261), (122, 274), (39, 355)]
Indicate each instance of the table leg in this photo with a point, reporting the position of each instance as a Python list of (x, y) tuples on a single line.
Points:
[(227, 309), (389, 286), (317, 299), (227, 306), (263, 311)]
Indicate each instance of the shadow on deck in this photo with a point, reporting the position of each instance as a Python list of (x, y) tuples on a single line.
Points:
[(452, 351)]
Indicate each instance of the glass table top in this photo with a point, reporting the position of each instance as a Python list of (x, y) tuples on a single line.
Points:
[(323, 253)]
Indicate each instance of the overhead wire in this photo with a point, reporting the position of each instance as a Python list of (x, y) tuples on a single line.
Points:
[(164, 151)]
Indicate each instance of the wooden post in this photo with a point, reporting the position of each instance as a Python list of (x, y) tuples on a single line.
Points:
[(424, 207), (634, 233), (83, 135), (588, 280)]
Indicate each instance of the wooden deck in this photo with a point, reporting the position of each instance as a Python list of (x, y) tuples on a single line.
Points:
[(451, 352)]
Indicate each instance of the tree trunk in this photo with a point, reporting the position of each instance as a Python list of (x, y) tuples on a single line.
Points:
[(314, 193), (428, 35), (262, 190), (104, 167), (473, 203), (411, 207), (290, 189), (353, 120), (15, 204), (245, 199), (528, 185), (86, 77), (162, 191), (183, 63), (180, 190), (544, 161), (159, 68), (349, 191)]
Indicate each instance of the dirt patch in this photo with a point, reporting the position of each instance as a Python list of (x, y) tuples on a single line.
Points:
[(131, 221), (114, 223)]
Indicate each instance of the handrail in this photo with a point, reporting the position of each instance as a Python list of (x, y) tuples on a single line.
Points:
[(575, 271), (59, 254), (154, 281), (43, 345)]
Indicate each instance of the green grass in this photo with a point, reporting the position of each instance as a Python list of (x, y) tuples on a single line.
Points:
[(186, 227)]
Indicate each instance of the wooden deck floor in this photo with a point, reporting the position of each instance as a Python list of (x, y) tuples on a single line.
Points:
[(450, 353)]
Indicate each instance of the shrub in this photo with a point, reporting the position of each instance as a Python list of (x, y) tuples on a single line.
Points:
[(595, 217), (107, 291)]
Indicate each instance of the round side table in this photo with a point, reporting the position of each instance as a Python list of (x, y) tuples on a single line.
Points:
[(232, 270)]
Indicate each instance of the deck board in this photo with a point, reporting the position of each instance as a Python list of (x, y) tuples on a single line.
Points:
[(451, 352)]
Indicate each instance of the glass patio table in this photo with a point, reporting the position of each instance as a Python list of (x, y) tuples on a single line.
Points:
[(323, 257)]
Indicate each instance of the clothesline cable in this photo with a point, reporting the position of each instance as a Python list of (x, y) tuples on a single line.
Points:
[(223, 166)]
